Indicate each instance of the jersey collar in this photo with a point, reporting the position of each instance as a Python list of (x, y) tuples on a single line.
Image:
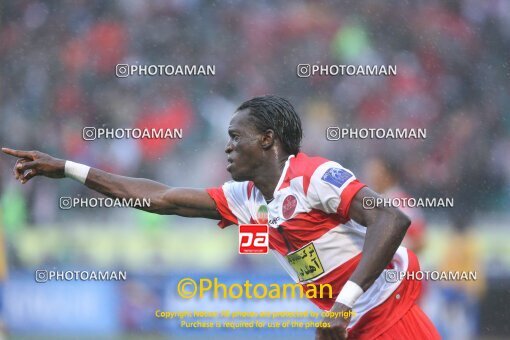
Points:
[(282, 176)]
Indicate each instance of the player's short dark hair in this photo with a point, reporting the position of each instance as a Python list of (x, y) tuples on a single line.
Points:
[(277, 114)]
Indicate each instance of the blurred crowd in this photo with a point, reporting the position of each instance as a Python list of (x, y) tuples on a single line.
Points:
[(58, 75)]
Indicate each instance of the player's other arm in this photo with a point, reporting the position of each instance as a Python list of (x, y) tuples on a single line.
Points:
[(386, 228), (164, 199)]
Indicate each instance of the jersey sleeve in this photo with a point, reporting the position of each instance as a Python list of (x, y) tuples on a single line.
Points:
[(231, 202), (332, 189)]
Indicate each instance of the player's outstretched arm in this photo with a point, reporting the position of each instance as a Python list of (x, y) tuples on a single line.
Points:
[(164, 200)]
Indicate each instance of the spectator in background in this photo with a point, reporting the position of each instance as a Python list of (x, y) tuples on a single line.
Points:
[(60, 61), (383, 176)]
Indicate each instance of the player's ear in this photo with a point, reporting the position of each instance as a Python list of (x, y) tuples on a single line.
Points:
[(267, 139)]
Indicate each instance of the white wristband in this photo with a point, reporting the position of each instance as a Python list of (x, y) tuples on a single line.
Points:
[(76, 171), (349, 294)]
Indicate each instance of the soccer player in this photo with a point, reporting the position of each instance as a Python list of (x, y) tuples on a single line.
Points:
[(319, 228)]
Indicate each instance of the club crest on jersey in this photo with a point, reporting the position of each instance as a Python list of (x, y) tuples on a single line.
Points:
[(289, 206), (336, 176), (262, 215)]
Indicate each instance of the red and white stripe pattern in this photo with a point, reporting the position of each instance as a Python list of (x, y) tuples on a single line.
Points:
[(310, 207)]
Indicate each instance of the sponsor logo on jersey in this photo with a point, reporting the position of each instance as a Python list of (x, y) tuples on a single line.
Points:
[(262, 214), (253, 239), (336, 176), (289, 206), (306, 262), (274, 220)]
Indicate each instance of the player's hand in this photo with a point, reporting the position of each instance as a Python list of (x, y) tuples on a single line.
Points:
[(338, 325), (35, 163)]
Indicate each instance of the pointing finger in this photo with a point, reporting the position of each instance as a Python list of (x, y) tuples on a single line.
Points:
[(17, 153)]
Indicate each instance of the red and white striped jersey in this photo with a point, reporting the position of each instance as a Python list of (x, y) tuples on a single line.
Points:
[(310, 231)]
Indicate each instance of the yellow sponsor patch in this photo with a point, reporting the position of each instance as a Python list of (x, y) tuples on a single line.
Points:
[(306, 262)]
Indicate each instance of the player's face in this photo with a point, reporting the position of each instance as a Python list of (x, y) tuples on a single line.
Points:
[(243, 148)]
